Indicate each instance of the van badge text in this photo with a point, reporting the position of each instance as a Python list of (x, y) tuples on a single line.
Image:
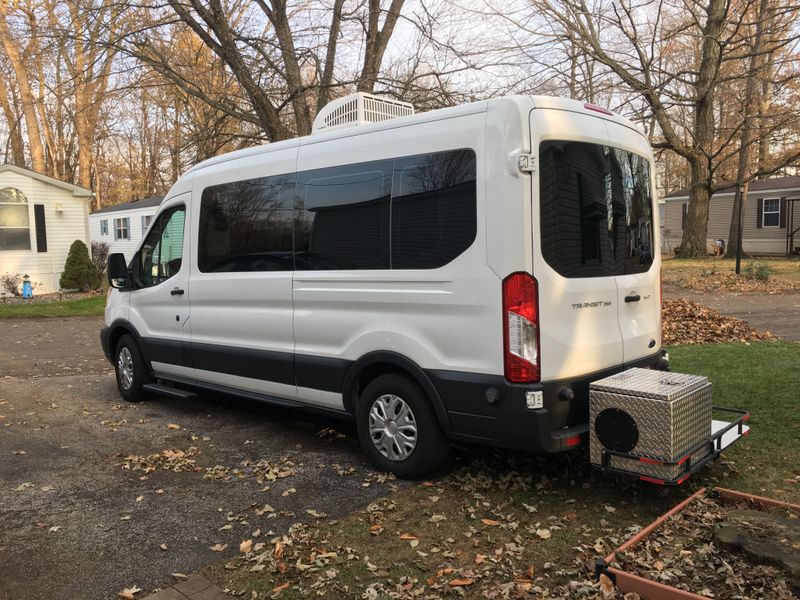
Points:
[(596, 304)]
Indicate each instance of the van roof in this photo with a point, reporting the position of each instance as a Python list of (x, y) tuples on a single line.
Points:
[(518, 102)]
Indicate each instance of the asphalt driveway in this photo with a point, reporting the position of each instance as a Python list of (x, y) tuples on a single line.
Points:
[(97, 495)]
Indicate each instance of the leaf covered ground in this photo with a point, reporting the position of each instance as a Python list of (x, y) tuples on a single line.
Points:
[(688, 322)]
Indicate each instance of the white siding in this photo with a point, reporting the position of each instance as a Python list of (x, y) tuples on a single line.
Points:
[(45, 268), (135, 233)]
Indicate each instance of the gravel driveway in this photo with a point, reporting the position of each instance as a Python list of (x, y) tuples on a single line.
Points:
[(97, 495)]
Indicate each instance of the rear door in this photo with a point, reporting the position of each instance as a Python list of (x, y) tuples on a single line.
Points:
[(573, 251), (639, 262)]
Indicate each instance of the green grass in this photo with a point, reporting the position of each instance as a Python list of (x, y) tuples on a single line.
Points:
[(763, 378), (85, 307)]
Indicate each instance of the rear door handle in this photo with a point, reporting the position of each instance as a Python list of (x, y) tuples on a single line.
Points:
[(179, 292), (633, 298)]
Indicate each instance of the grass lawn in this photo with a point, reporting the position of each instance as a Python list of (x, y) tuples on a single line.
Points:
[(85, 307), (504, 524), (710, 274)]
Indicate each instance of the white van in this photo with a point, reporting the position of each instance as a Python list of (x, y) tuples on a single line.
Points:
[(461, 274)]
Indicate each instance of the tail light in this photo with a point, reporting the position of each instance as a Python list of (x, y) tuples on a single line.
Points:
[(521, 328)]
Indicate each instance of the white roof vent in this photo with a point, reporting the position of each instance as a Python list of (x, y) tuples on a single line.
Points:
[(359, 109)]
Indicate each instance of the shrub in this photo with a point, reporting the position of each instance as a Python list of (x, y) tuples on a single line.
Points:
[(758, 270), (79, 272), (10, 282), (100, 258)]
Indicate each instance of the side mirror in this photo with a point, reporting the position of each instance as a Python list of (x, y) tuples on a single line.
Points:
[(118, 271)]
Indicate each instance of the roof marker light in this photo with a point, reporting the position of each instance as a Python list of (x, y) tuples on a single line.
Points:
[(594, 107)]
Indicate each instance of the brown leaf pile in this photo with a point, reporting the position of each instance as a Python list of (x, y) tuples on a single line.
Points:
[(683, 554), (688, 322)]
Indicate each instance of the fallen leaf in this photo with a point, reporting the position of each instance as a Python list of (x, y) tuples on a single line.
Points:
[(606, 585), (218, 547), (289, 492), (407, 537), (314, 513), (163, 547), (279, 588), (246, 546), (461, 582), (173, 426), (139, 498), (544, 533), (278, 551), (491, 522), (129, 593)]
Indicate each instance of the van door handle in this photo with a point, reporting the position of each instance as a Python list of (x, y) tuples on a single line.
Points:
[(633, 298), (179, 292)]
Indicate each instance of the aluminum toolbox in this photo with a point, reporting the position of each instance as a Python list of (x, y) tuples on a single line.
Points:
[(649, 423)]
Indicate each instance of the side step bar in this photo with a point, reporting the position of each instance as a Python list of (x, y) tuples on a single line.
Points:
[(166, 390)]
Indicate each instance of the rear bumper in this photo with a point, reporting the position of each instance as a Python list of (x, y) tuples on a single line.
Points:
[(487, 409)]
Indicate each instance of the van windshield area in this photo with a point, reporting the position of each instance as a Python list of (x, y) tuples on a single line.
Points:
[(596, 209)]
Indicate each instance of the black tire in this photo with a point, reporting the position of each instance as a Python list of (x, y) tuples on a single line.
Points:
[(431, 446), (131, 390)]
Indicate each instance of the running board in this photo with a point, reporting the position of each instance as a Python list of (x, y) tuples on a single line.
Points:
[(166, 390)]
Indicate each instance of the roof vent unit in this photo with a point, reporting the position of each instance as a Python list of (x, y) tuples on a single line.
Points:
[(359, 109)]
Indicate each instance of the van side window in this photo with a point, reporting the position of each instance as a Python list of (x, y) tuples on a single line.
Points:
[(596, 209), (433, 209), (247, 225), (342, 217), (161, 255)]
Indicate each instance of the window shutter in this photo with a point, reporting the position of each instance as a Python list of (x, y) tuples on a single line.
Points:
[(760, 213), (41, 228), (684, 215), (116, 229), (127, 228), (783, 212)]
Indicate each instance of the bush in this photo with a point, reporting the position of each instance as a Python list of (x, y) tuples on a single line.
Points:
[(79, 272), (758, 270), (100, 258), (10, 282)]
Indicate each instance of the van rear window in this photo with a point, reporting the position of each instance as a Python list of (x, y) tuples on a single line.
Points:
[(596, 209)]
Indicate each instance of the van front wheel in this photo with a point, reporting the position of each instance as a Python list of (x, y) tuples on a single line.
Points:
[(398, 428), (131, 369)]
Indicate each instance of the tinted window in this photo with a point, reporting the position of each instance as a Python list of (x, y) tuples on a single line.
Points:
[(161, 255), (433, 209), (342, 217), (596, 210), (247, 226)]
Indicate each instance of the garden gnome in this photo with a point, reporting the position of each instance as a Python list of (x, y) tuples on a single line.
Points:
[(27, 288)]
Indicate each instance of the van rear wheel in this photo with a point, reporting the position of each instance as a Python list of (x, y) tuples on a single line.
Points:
[(398, 428), (131, 369)]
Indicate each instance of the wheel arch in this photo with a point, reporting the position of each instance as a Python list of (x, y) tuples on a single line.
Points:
[(375, 364), (122, 327)]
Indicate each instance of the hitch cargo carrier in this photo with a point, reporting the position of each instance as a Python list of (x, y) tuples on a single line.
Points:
[(657, 426)]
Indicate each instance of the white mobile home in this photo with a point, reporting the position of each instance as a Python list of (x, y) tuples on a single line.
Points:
[(122, 226), (40, 217)]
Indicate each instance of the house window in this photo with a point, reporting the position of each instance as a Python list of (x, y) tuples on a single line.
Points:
[(15, 231), (104, 227), (146, 222), (772, 212), (122, 229)]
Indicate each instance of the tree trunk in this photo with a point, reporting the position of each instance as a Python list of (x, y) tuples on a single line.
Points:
[(695, 234), (27, 100), (377, 40), (14, 131), (694, 242), (750, 99)]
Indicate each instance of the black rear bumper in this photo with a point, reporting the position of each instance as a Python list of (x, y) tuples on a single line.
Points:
[(487, 409)]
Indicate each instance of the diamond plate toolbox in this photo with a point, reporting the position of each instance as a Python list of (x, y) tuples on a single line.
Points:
[(652, 414)]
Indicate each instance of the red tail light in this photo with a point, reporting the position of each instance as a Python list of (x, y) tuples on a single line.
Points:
[(521, 328), (596, 108)]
